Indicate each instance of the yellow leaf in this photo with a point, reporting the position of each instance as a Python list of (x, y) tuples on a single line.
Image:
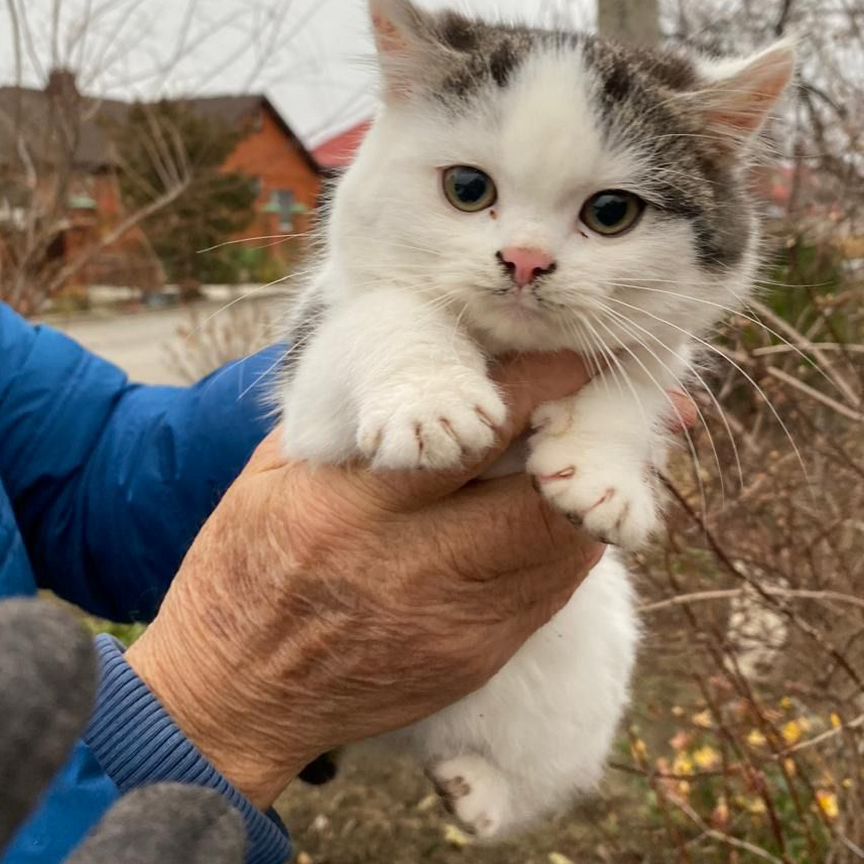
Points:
[(683, 764), (791, 767), (756, 806), (836, 722), (430, 802), (703, 719), (828, 803), (792, 732), (639, 749), (786, 703), (455, 837), (706, 758), (558, 858), (756, 739)]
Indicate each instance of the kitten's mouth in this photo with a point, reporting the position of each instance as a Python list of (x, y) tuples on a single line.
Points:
[(523, 305)]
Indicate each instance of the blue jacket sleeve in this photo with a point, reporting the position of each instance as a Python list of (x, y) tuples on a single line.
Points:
[(111, 481)]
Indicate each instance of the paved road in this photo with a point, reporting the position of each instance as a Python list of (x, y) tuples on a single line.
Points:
[(138, 343)]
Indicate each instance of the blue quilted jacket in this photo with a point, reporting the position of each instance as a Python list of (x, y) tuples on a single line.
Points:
[(103, 486)]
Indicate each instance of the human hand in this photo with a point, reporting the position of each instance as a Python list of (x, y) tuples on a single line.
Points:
[(320, 606)]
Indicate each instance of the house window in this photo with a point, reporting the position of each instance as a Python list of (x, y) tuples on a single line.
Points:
[(286, 207)]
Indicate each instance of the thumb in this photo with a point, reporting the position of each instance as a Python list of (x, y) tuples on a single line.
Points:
[(528, 381)]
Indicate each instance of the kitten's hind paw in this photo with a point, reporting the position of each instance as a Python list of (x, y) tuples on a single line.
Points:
[(476, 793)]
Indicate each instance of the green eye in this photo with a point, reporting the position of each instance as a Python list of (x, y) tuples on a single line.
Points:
[(612, 212), (469, 189)]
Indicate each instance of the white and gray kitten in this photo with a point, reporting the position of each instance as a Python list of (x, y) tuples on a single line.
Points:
[(530, 190)]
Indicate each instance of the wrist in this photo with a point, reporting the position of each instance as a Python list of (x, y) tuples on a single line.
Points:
[(137, 743), (219, 710)]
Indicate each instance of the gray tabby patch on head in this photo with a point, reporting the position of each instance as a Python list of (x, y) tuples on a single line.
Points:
[(484, 54), (459, 56), (691, 173)]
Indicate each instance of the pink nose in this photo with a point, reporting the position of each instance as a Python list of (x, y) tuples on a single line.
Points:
[(526, 265)]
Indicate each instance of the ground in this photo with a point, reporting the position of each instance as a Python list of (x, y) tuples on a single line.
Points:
[(381, 809)]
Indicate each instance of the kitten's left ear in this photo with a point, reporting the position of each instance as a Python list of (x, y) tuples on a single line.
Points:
[(408, 44), (740, 94)]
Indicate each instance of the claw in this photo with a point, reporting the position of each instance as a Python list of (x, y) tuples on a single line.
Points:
[(607, 497), (566, 474)]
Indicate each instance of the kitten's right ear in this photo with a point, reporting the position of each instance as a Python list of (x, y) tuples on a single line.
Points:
[(407, 43), (740, 94)]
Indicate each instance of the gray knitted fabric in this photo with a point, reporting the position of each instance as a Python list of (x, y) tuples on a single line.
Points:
[(47, 690), (48, 680), (167, 824)]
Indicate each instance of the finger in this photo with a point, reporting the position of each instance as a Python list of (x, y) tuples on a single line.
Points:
[(504, 528), (526, 382), (556, 558), (268, 456), (686, 412)]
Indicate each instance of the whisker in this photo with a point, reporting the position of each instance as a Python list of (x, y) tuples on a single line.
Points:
[(628, 326), (617, 364), (612, 362), (742, 314), (736, 366), (716, 402), (280, 237), (694, 454)]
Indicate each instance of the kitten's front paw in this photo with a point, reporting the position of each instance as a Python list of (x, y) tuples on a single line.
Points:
[(609, 491), (475, 792), (435, 425)]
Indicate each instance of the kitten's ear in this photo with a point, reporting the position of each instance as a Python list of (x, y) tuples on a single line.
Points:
[(407, 42), (740, 94)]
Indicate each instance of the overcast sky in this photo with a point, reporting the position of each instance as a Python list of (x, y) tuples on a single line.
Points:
[(312, 57)]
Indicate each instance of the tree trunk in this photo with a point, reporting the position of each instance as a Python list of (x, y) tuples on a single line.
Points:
[(633, 21)]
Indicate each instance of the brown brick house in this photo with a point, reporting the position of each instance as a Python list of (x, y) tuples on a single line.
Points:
[(67, 133), (287, 176)]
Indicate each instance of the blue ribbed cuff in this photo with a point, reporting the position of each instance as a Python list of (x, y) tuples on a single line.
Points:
[(138, 744)]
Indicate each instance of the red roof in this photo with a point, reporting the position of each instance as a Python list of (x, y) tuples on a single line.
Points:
[(339, 152)]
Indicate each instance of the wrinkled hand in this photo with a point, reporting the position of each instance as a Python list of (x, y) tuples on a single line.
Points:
[(321, 606)]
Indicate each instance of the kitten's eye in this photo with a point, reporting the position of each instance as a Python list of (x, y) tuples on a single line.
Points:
[(469, 189), (612, 212)]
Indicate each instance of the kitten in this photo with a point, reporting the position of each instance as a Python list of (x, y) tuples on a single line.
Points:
[(531, 190)]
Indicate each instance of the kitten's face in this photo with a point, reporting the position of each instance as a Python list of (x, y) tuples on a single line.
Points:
[(545, 185)]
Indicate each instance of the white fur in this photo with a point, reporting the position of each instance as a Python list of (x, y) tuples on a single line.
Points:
[(402, 352), (540, 730)]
